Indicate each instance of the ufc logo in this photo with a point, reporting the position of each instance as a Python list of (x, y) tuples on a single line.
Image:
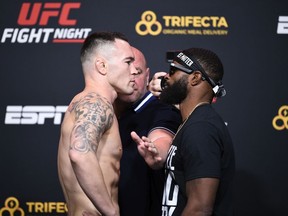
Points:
[(31, 13)]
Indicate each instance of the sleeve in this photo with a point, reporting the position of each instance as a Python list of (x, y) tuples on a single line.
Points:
[(201, 151), (165, 117)]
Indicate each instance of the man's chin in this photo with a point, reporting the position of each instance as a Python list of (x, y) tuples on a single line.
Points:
[(128, 97), (125, 95), (170, 97), (129, 91)]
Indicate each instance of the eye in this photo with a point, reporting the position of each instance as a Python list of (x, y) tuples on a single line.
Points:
[(129, 62), (172, 70)]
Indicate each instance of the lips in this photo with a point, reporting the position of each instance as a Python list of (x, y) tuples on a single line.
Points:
[(132, 82)]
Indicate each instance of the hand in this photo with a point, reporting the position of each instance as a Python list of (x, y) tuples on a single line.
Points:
[(147, 149), (155, 84)]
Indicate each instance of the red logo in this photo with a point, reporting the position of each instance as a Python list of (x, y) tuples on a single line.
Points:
[(36, 19), (41, 13)]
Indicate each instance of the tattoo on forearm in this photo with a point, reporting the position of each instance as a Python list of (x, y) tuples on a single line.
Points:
[(94, 115)]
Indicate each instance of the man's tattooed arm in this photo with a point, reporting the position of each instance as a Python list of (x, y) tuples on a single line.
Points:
[(94, 115)]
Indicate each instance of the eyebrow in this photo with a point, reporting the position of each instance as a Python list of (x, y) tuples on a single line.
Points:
[(129, 58)]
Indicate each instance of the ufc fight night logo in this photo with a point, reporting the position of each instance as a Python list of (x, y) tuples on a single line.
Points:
[(31, 115), (35, 18)]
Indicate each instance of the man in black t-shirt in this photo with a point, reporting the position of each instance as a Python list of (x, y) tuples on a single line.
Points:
[(200, 164)]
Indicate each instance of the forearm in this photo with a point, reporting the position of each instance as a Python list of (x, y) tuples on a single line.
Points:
[(162, 140), (91, 180)]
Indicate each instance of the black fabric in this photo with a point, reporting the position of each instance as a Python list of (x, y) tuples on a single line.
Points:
[(202, 148), (140, 187)]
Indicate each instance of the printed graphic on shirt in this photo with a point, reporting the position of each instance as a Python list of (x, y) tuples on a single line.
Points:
[(171, 189)]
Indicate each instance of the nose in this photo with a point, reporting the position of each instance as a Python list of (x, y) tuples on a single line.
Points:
[(133, 70)]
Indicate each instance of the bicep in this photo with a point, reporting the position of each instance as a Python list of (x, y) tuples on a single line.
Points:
[(83, 136), (161, 134), (162, 139), (93, 117)]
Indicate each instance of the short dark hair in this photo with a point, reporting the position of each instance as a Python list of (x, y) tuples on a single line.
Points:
[(209, 61), (97, 38)]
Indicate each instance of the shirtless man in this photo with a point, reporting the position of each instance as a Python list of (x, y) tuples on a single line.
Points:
[(90, 147)]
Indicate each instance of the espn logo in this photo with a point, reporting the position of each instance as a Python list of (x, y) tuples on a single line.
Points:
[(31, 115), (282, 27)]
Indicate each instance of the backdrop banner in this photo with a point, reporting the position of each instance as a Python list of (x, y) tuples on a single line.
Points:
[(40, 72)]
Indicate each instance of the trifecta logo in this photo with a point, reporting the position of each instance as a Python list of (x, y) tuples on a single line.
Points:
[(31, 115), (12, 207), (34, 19), (154, 24), (280, 121)]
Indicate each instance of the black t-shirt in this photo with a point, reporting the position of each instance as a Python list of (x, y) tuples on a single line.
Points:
[(202, 148), (140, 187)]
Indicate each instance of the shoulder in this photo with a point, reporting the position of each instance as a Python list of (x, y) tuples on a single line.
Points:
[(206, 114), (93, 107), (88, 101), (160, 107), (164, 116)]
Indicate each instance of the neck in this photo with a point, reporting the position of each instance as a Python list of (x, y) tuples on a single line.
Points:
[(102, 89), (186, 116), (187, 110)]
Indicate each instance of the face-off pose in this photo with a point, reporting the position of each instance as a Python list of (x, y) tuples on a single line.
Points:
[(141, 187), (200, 163), (90, 147)]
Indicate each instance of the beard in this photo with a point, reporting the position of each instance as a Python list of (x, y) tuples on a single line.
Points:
[(175, 93)]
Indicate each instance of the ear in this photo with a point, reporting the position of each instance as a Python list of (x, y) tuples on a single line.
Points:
[(195, 78), (148, 76), (101, 66)]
